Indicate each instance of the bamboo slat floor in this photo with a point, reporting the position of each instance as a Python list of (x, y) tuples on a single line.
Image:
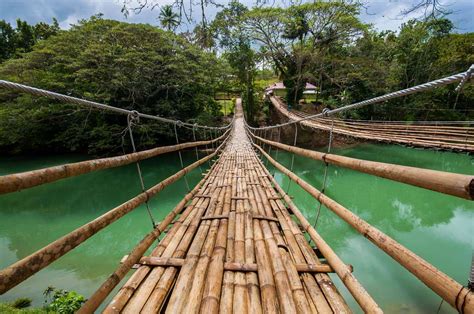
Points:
[(236, 218)]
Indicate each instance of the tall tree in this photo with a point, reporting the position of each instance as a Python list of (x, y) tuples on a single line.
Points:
[(168, 18), (298, 38), (231, 34)]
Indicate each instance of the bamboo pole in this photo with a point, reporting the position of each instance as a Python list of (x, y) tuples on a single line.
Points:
[(296, 287), (241, 300), (26, 267), (447, 288), (326, 293), (104, 290), (282, 282), (122, 297), (203, 272), (455, 184), (336, 302), (255, 303), (213, 285), (19, 181), (156, 287), (156, 299)]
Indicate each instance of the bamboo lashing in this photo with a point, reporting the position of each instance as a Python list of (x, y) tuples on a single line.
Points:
[(24, 268), (459, 185), (20, 181), (231, 266), (447, 288)]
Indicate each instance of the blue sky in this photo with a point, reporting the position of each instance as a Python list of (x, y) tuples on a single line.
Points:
[(383, 14)]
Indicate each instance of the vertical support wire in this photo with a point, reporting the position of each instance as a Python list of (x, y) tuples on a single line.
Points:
[(277, 150), (180, 156), (131, 120), (269, 147), (292, 156), (207, 147), (323, 188), (195, 148)]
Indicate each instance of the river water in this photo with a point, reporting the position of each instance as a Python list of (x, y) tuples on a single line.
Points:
[(437, 227)]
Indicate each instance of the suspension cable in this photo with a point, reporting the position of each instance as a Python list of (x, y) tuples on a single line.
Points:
[(180, 156), (323, 188), (133, 119), (78, 101)]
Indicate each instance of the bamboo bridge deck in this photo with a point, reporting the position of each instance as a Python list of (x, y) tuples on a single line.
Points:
[(235, 249)]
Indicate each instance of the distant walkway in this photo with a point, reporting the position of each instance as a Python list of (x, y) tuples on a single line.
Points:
[(449, 137)]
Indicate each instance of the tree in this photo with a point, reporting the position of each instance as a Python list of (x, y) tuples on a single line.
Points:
[(168, 18), (15, 41), (231, 35), (131, 66), (298, 38)]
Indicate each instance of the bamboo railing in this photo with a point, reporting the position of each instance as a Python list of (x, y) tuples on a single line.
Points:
[(458, 296), (459, 185), (454, 141), (20, 181), (26, 267)]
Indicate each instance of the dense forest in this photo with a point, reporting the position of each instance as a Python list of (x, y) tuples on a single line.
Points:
[(162, 72)]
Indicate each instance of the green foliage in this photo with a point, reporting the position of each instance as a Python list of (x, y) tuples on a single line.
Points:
[(63, 301), (130, 66), (8, 309), (229, 30), (15, 41), (382, 62), (21, 303), (168, 18), (299, 37)]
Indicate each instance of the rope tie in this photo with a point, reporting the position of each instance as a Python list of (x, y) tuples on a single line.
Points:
[(326, 167), (459, 88), (466, 77), (180, 156), (133, 119)]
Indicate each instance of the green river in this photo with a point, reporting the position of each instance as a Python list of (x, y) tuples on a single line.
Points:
[(437, 227)]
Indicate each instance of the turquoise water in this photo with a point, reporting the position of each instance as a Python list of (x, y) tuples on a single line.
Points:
[(435, 226)]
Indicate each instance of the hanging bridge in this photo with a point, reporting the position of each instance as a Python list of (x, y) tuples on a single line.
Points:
[(236, 242), (446, 135)]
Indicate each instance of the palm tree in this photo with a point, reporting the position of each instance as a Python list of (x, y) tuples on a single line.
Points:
[(169, 19)]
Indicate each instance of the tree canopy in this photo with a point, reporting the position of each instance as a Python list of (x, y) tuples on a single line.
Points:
[(125, 65)]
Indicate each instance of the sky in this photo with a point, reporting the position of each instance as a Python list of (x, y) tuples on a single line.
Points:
[(384, 15)]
